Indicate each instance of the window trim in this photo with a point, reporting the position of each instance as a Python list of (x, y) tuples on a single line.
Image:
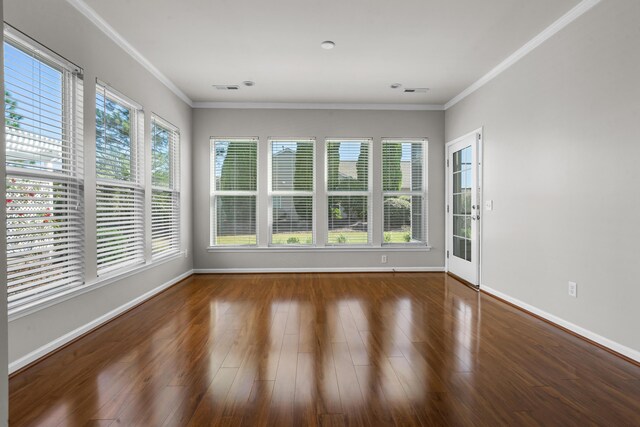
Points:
[(368, 193), (424, 193), (272, 193), (213, 192)]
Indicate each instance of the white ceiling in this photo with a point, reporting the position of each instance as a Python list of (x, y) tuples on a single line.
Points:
[(445, 45)]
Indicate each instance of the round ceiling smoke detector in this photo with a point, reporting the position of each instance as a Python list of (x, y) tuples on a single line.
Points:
[(248, 83), (396, 86), (327, 44)]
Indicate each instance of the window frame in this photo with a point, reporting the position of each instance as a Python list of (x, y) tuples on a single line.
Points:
[(423, 193), (213, 193), (137, 184), (368, 193), (71, 174), (275, 193), (174, 184)]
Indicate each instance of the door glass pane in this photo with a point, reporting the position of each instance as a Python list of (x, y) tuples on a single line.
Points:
[(458, 247), (459, 225), (462, 199), (457, 160), (458, 204), (457, 182), (466, 157), (466, 179), (466, 199)]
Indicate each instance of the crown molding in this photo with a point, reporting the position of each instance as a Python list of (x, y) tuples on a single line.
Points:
[(107, 29), (317, 106), (555, 27), (563, 21)]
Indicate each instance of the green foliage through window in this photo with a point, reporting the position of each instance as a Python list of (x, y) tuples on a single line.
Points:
[(160, 156), (114, 150)]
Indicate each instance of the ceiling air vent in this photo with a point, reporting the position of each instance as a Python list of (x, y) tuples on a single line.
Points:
[(227, 87), (416, 90)]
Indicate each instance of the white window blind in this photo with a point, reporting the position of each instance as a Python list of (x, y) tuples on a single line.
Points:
[(165, 197), (234, 163), (404, 190), (292, 191), (44, 194), (119, 181), (348, 191)]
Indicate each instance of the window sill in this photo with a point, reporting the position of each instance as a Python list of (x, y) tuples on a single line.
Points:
[(314, 249), (32, 307)]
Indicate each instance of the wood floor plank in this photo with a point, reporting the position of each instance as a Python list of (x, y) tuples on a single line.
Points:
[(211, 406), (283, 395), (379, 349), (305, 411), (257, 407), (351, 396)]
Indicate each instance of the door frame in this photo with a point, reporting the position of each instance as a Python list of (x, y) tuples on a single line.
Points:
[(480, 198)]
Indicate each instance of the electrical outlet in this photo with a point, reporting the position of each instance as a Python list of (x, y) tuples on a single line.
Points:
[(383, 260), (573, 289)]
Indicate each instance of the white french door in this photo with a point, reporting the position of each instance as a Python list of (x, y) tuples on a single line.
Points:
[(463, 207)]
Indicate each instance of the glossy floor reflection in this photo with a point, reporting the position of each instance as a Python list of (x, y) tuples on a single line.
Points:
[(326, 349)]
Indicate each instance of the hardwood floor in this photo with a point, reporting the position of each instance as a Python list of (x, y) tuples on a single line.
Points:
[(331, 350)]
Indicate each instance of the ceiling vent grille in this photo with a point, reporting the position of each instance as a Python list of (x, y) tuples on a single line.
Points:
[(416, 90), (227, 87)]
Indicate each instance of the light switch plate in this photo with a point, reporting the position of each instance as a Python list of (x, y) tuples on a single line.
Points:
[(488, 205)]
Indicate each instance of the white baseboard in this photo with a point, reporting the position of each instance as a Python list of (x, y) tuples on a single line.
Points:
[(316, 270), (606, 342), (59, 342)]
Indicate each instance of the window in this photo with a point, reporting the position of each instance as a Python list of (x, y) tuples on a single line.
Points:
[(404, 190), (291, 191), (165, 196), (44, 199), (348, 191), (234, 164), (119, 181)]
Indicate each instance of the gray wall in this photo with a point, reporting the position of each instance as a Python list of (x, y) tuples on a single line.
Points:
[(561, 164), (4, 392), (61, 28), (319, 124)]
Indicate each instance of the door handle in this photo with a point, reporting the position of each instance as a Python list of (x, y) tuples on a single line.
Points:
[(475, 217)]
